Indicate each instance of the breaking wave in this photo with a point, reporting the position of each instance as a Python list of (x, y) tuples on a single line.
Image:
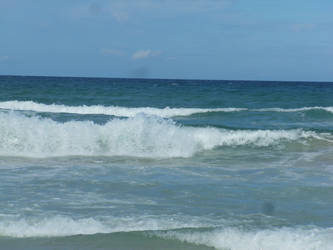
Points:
[(166, 112), (55, 226), (328, 109), (108, 110), (184, 229), (235, 239), (140, 136)]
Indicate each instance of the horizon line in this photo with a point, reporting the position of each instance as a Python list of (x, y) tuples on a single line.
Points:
[(171, 79)]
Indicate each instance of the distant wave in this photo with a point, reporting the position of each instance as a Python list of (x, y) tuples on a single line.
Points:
[(108, 110), (328, 109), (166, 112), (140, 136)]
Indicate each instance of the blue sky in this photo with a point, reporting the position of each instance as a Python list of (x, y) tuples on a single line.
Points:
[(190, 39)]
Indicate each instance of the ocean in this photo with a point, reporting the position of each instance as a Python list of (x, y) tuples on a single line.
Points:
[(103, 163)]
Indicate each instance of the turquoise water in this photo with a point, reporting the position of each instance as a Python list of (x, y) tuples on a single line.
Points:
[(90, 163)]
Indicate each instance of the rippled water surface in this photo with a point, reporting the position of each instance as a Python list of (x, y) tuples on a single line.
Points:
[(91, 163)]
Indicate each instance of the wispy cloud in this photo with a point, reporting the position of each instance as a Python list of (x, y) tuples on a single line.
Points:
[(137, 55), (141, 54)]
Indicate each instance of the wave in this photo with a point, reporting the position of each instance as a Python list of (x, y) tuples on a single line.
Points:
[(166, 112), (328, 109), (235, 239), (108, 110), (55, 226), (183, 229), (140, 136)]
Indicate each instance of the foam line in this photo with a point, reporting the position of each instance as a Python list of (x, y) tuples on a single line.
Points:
[(108, 110), (283, 238), (328, 109), (166, 112), (167, 227), (55, 226)]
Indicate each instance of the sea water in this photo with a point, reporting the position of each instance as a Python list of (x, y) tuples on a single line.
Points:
[(97, 163)]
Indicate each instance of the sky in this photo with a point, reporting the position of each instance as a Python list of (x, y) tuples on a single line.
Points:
[(176, 39)]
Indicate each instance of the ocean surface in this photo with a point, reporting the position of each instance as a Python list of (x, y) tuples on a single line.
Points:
[(97, 163)]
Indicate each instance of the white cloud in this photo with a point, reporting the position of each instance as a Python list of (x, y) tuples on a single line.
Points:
[(137, 55), (141, 54)]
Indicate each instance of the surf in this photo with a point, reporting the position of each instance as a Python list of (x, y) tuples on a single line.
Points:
[(166, 112), (139, 136), (119, 111), (298, 238), (187, 229)]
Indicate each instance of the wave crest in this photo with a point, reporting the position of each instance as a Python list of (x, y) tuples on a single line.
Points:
[(284, 238), (327, 109), (166, 112), (55, 226), (185, 229), (140, 136), (108, 110)]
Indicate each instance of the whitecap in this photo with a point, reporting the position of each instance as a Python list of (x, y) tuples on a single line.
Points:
[(140, 136), (272, 239), (166, 112)]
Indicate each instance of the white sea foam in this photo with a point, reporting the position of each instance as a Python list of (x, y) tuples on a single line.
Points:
[(55, 226), (328, 109), (108, 110), (234, 239), (140, 136), (230, 238), (166, 112)]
